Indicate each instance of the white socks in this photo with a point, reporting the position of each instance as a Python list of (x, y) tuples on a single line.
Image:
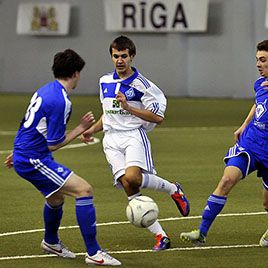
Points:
[(156, 183), (156, 229)]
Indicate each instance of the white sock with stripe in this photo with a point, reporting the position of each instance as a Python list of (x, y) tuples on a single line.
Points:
[(156, 183), (156, 229)]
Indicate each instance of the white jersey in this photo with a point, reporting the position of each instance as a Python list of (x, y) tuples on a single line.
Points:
[(140, 93)]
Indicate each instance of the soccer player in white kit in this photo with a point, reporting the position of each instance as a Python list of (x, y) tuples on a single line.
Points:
[(132, 106)]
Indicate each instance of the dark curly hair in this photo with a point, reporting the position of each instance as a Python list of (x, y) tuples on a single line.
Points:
[(66, 63), (262, 46)]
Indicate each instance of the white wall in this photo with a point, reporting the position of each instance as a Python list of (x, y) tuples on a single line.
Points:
[(218, 63)]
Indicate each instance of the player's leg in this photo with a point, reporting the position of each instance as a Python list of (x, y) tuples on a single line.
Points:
[(217, 200), (86, 219), (138, 153), (54, 202), (52, 218), (76, 187), (154, 182), (126, 165), (264, 239), (48, 177), (52, 214), (235, 170), (55, 181), (134, 179), (161, 237), (131, 181)]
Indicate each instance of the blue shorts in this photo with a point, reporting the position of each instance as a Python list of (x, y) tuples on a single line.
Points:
[(248, 162), (45, 174)]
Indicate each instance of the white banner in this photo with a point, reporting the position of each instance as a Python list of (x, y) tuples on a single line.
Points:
[(43, 18), (156, 16)]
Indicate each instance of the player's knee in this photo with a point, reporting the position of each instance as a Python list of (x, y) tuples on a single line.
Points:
[(226, 183), (84, 190), (55, 200), (131, 180)]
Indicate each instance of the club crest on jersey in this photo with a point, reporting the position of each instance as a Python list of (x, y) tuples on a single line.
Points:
[(261, 109), (60, 169), (130, 93)]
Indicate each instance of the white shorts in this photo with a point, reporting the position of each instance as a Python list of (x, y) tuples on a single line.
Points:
[(125, 149)]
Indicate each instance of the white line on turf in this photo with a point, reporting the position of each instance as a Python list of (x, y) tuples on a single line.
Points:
[(7, 132), (12, 132), (70, 146), (133, 251), (126, 222), (96, 140)]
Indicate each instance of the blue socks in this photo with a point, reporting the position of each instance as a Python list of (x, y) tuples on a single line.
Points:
[(52, 219), (86, 218), (214, 206)]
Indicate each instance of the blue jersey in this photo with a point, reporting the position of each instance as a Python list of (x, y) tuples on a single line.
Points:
[(44, 122), (255, 136)]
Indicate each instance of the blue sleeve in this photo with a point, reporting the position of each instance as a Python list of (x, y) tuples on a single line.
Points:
[(55, 125), (258, 84)]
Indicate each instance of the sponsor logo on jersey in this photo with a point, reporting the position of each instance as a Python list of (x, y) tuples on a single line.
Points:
[(120, 112)]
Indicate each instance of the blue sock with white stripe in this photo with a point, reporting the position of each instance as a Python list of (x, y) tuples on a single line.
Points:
[(214, 206), (86, 218), (52, 219)]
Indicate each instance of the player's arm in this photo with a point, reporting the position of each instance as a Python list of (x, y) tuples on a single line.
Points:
[(87, 135), (141, 113), (86, 121), (249, 117)]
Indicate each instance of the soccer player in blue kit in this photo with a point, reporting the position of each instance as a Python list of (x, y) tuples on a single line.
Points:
[(132, 106), (247, 155), (41, 132)]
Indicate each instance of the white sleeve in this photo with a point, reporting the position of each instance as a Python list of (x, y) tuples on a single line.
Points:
[(100, 89), (155, 100)]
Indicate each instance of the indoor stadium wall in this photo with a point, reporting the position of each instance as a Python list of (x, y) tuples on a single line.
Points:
[(217, 63)]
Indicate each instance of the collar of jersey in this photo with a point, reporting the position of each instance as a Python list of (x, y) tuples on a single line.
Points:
[(129, 79), (61, 86)]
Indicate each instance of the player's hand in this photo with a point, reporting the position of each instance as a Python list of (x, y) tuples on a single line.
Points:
[(87, 120), (238, 133), (86, 137), (265, 84), (9, 161), (120, 97)]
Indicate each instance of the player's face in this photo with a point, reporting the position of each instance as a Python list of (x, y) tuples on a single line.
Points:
[(122, 62), (262, 62), (76, 79)]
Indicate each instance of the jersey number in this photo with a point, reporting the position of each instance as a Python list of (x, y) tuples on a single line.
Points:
[(32, 109)]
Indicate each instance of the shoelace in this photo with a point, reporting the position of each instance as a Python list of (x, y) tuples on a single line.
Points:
[(106, 255), (62, 245)]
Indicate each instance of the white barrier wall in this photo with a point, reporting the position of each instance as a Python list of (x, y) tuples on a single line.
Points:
[(216, 63)]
